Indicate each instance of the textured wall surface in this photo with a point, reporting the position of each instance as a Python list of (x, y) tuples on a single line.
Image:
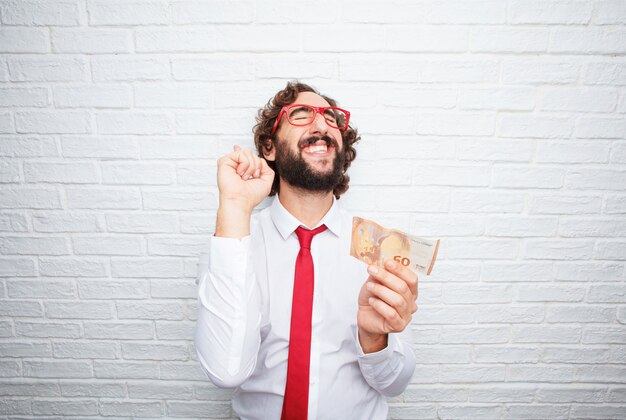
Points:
[(497, 126)]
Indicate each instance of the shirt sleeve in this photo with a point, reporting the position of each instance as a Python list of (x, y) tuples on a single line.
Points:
[(227, 336), (389, 370)]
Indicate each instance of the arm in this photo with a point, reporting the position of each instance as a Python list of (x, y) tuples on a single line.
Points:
[(386, 304), (227, 330)]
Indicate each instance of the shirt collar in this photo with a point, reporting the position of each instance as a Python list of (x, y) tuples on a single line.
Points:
[(286, 223)]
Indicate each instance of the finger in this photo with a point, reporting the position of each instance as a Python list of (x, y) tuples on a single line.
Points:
[(249, 173), (404, 273), (393, 321), (390, 280), (266, 171), (236, 148), (391, 298)]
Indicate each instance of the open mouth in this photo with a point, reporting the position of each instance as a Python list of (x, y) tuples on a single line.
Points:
[(318, 148)]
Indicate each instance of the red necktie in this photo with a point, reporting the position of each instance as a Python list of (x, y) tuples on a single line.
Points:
[(296, 401)]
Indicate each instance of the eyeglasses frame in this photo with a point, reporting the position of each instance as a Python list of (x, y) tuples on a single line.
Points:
[(318, 110)]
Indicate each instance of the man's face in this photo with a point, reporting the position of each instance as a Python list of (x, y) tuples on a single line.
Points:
[(309, 157)]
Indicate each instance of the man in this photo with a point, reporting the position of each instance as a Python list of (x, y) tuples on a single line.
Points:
[(285, 314)]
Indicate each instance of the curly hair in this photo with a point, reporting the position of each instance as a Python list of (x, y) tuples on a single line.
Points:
[(266, 117)]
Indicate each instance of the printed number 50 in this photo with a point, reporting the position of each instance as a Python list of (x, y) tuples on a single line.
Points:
[(402, 260)]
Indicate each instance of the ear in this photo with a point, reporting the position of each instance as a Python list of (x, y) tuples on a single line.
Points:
[(269, 152)]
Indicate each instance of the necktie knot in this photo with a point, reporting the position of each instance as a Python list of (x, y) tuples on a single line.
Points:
[(305, 236)]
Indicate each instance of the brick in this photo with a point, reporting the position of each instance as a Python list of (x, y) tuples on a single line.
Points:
[(175, 330), (610, 250), (467, 12), (10, 172), (29, 349), (540, 373), (477, 335), (13, 222), (615, 204), (401, 123), (554, 12), (103, 198), (107, 245), (474, 373), (152, 310), (455, 71), (506, 393), (208, 391), (9, 369), (389, 173), (6, 123), (99, 147), (92, 96), (214, 123), (481, 249), (510, 314), (576, 355), (394, 66), (47, 329), (107, 289), (435, 394), (17, 267), (169, 289), (537, 411), (204, 408), (79, 350), (177, 199), (606, 293), (176, 40), (202, 224), (602, 128), (588, 227), (578, 100), (91, 41), (527, 177), (605, 73), (119, 330), (552, 294), (609, 12), (52, 122), (25, 245), (134, 123), (61, 172), (95, 389), (125, 370), (220, 11), (72, 267), (355, 38), (117, 12), (37, 13), (266, 38), (212, 69), (596, 411), (146, 222), (20, 308), (539, 71), (462, 294), (589, 271), (603, 374), (128, 408), (43, 69), (573, 152), (173, 96), (546, 334), (557, 249), (603, 179), (412, 411), (468, 124), (27, 146), (23, 40), (192, 174), (66, 222), (129, 68), (564, 204), (519, 226), (508, 40), (57, 369), (455, 175), (486, 202), (616, 394), (18, 97), (530, 126), (269, 66), (592, 40), (28, 388), (505, 354), (140, 173), (69, 408), (160, 391), (438, 225), (138, 351), (580, 313), (79, 310), (411, 38), (604, 335), (618, 153), (14, 407)]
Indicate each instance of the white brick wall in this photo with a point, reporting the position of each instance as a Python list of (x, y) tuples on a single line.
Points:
[(498, 126)]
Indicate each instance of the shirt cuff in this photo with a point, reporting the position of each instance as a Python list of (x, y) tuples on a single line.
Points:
[(228, 254), (393, 344)]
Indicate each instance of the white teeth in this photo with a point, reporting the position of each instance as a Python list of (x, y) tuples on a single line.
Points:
[(317, 149)]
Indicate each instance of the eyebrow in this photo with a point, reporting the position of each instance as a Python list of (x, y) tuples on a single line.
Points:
[(293, 111)]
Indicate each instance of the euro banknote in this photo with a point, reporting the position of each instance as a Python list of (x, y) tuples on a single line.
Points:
[(373, 244)]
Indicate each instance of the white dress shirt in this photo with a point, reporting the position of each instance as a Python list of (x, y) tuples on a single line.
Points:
[(244, 318)]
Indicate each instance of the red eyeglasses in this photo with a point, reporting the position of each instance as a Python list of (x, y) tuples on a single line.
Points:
[(301, 115)]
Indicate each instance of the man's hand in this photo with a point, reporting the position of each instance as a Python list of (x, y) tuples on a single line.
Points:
[(386, 304), (243, 180)]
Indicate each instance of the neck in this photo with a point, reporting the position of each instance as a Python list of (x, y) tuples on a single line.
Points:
[(309, 207)]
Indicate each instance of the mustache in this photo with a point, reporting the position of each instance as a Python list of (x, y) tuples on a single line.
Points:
[(314, 139)]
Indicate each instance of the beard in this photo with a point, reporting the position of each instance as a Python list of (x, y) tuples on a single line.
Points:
[(292, 167)]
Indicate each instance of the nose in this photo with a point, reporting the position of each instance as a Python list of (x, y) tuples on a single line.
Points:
[(319, 124)]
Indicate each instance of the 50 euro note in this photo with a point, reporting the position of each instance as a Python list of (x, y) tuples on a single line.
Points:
[(373, 244)]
